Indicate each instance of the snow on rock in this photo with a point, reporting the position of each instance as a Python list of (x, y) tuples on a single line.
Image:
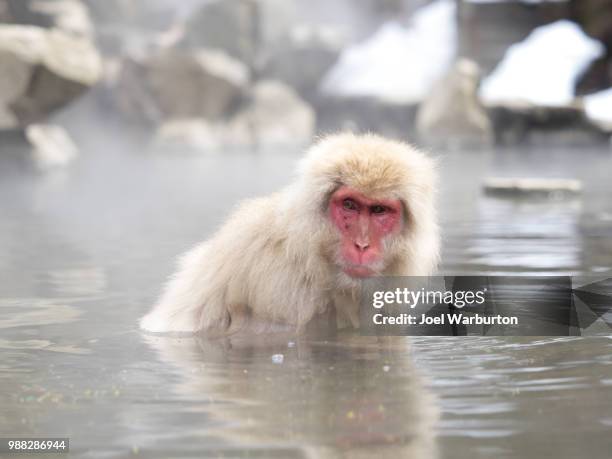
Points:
[(398, 64), (179, 84), (71, 16), (542, 69), (51, 146), (276, 115), (188, 135), (520, 185), (522, 1), (598, 108), (42, 70), (304, 57), (452, 115)]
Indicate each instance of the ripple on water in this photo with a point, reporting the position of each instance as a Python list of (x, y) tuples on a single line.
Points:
[(22, 312), (37, 344)]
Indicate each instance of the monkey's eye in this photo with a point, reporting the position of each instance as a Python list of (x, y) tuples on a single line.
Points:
[(378, 209), (349, 204)]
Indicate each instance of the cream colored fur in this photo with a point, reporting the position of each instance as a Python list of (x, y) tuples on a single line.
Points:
[(274, 260)]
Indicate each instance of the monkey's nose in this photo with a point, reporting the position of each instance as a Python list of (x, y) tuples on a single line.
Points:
[(362, 245)]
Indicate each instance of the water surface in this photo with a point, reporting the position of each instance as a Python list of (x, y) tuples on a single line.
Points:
[(83, 253)]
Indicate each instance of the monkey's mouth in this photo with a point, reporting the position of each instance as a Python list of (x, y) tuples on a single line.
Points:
[(359, 271)]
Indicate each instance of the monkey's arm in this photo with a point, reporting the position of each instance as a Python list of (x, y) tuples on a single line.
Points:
[(189, 291), (212, 278)]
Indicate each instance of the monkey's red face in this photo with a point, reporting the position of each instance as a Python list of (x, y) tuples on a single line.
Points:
[(363, 224)]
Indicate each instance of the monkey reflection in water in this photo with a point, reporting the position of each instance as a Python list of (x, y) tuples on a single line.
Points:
[(361, 206), (350, 397)]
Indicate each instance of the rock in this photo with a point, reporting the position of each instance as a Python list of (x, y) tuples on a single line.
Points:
[(358, 19), (275, 116), (51, 146), (127, 90), (8, 121), (366, 114), (452, 113), (530, 95), (304, 57), (123, 26), (542, 70), (275, 20), (178, 84), (525, 186), (189, 134), (241, 28), (15, 75), (5, 14), (42, 70), (398, 63), (545, 126), (598, 108), (229, 26), (488, 28), (596, 77), (71, 16), (595, 16), (204, 83), (139, 13)]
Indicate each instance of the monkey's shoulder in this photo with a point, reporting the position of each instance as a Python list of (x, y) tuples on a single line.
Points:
[(254, 219), (257, 210)]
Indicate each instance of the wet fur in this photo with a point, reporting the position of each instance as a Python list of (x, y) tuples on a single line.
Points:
[(275, 260)]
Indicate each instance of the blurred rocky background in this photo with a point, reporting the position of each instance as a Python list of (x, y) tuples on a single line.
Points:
[(206, 75)]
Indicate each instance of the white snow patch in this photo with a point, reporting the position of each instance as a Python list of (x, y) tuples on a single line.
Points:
[(51, 146), (542, 69), (522, 1), (398, 64), (598, 108)]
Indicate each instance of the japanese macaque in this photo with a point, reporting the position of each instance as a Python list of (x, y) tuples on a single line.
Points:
[(362, 206)]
